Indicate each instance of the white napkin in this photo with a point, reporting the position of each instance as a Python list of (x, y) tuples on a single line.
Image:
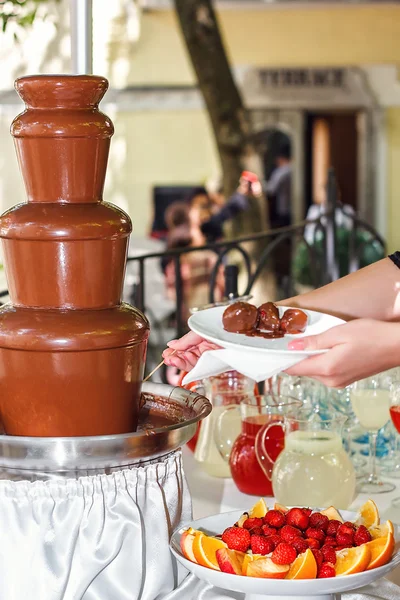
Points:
[(251, 364)]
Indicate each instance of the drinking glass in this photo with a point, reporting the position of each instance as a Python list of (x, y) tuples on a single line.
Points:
[(395, 416), (370, 399)]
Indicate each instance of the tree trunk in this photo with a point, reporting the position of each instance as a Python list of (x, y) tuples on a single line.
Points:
[(229, 118)]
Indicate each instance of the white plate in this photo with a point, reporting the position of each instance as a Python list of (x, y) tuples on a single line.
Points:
[(208, 324), (273, 588)]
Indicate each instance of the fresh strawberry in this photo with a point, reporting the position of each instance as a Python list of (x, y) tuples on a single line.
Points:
[(330, 541), (341, 548), (251, 523), (261, 545), (276, 539), (350, 524), (333, 527), (313, 543), (319, 557), (256, 531), (326, 570), (274, 518), (362, 536), (319, 521), (284, 554), (237, 538), (346, 528), (289, 533), (298, 518), (329, 554), (300, 545), (317, 534), (307, 511), (267, 530), (345, 540)]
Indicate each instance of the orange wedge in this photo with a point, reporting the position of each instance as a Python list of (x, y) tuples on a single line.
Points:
[(265, 567), (382, 530), (259, 510), (205, 548), (332, 514), (381, 551), (368, 515), (304, 567), (352, 560)]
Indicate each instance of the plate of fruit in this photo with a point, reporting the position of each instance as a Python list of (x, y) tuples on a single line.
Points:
[(292, 552), (265, 328)]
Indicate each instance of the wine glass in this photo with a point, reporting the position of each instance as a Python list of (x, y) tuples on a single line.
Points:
[(370, 399), (395, 416)]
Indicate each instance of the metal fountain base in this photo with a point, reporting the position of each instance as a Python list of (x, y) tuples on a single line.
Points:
[(168, 419)]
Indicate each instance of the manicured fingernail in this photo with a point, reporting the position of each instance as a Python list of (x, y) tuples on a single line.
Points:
[(297, 345), (172, 343)]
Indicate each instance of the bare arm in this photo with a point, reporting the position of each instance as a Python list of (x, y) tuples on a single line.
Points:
[(372, 292)]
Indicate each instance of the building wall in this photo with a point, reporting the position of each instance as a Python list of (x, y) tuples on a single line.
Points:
[(145, 48)]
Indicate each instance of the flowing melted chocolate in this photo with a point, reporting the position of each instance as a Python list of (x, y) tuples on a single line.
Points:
[(71, 354)]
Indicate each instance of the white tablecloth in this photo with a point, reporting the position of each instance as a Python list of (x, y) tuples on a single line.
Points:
[(211, 495)]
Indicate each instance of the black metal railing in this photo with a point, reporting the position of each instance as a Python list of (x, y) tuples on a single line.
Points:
[(324, 266)]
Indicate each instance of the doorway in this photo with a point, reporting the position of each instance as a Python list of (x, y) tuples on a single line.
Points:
[(331, 140)]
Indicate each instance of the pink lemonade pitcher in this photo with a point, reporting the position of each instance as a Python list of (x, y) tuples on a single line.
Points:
[(257, 414)]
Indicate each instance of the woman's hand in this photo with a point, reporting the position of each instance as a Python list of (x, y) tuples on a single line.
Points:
[(357, 350), (185, 352)]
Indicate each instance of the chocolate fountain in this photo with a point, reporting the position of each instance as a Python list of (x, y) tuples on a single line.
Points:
[(90, 458)]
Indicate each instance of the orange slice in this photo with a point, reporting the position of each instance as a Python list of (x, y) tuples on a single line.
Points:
[(265, 567), (381, 551), (382, 530), (332, 514), (259, 510), (368, 515), (205, 548), (304, 567), (352, 560)]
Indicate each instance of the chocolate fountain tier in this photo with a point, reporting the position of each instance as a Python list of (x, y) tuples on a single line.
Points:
[(65, 255), (62, 139), (168, 419), (71, 372)]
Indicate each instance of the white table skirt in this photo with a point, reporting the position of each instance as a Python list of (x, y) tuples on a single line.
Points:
[(211, 495)]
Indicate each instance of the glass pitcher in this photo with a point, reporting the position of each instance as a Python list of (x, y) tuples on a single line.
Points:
[(256, 412), (313, 469), (222, 391)]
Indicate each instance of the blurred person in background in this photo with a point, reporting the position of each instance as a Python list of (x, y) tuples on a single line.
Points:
[(196, 267), (279, 187), (223, 212)]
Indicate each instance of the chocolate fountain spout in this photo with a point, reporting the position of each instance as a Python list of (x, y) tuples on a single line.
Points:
[(71, 354)]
